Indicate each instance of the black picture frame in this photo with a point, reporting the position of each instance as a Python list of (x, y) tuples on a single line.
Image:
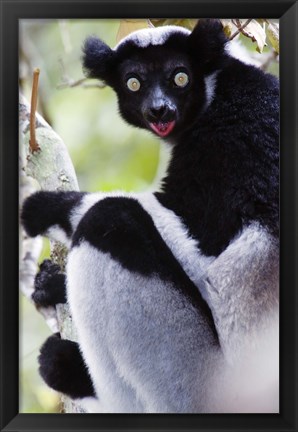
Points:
[(11, 12)]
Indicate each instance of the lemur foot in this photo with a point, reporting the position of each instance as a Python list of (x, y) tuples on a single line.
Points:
[(62, 367), (50, 285)]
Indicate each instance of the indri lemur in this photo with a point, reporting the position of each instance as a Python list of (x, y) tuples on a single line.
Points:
[(175, 293)]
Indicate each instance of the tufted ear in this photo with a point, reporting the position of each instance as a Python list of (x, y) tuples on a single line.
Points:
[(207, 40), (98, 59)]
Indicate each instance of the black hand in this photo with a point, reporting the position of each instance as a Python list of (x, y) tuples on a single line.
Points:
[(50, 286), (62, 367)]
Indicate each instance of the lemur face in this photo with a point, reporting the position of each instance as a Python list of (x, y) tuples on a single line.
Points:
[(159, 90), (161, 75)]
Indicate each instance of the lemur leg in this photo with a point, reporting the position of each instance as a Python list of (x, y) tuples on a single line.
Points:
[(62, 367), (61, 363), (242, 290), (140, 319)]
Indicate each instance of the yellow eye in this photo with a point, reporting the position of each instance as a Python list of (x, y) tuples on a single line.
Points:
[(133, 84), (181, 79)]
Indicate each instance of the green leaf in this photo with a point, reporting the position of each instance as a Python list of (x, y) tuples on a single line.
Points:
[(227, 27)]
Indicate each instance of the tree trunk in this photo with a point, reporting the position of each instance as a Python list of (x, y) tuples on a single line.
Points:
[(49, 168)]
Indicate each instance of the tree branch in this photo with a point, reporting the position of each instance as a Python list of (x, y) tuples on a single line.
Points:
[(33, 143), (240, 28)]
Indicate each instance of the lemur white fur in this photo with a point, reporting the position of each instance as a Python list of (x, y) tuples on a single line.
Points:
[(57, 234), (152, 36), (235, 49), (158, 36), (129, 305), (234, 275), (210, 87)]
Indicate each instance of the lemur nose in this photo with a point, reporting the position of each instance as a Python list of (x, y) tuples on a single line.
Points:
[(159, 113)]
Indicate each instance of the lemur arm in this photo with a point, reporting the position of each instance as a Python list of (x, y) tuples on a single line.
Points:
[(49, 213), (241, 287)]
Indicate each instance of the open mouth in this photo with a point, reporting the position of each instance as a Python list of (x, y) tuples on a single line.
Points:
[(163, 129)]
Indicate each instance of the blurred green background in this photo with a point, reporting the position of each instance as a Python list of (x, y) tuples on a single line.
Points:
[(107, 153)]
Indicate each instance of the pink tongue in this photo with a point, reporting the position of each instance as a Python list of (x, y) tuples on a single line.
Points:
[(163, 129)]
